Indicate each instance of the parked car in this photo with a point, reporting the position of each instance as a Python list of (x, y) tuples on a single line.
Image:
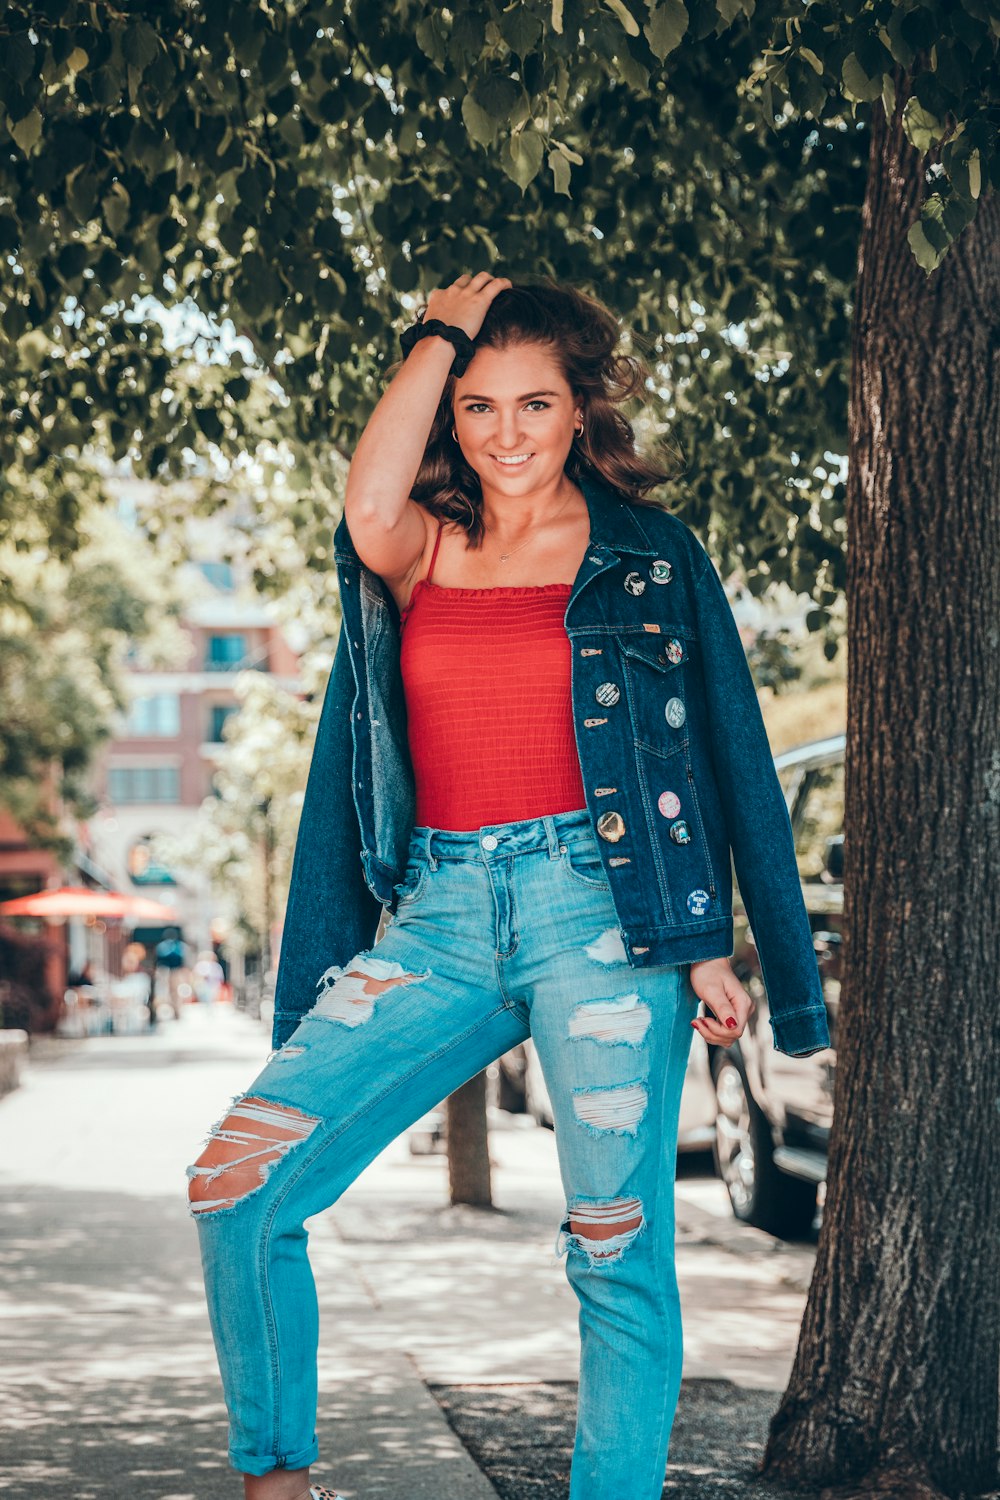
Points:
[(765, 1116), (773, 1112)]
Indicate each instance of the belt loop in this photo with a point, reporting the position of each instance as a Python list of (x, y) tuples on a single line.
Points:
[(551, 835), (428, 851)]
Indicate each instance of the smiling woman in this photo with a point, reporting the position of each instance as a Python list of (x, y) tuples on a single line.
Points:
[(540, 775)]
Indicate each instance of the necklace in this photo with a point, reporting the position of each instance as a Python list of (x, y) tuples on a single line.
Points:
[(505, 555)]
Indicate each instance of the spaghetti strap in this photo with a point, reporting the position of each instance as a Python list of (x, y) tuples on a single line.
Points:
[(437, 543)]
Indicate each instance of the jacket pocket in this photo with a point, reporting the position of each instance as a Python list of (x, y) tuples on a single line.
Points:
[(655, 673)]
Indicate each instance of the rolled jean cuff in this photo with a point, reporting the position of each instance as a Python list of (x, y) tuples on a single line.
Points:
[(246, 1463)]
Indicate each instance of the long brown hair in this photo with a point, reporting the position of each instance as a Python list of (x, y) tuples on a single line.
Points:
[(582, 334)]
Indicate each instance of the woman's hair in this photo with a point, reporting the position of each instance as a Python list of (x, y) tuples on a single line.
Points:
[(582, 334)]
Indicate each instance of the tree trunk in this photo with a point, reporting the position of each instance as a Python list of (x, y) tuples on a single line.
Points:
[(894, 1389), (468, 1146)]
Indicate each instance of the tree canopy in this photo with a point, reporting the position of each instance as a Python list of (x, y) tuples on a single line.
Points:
[(309, 170)]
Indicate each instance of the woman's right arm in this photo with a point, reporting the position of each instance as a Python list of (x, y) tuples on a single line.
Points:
[(387, 528)]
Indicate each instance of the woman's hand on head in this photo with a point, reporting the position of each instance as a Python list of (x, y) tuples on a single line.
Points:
[(466, 302), (715, 984)]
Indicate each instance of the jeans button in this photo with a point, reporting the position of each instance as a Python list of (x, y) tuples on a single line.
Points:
[(490, 841)]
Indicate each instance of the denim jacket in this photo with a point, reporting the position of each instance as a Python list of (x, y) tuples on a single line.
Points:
[(675, 760)]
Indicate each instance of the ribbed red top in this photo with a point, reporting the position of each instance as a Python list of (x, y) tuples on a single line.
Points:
[(486, 675)]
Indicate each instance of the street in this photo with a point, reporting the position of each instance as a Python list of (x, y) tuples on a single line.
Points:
[(441, 1326)]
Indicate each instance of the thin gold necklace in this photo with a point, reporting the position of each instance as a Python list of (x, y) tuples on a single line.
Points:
[(505, 555)]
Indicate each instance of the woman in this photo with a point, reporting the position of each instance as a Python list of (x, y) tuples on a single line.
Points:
[(543, 708)]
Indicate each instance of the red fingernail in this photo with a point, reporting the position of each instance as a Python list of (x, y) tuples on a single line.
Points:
[(731, 1023)]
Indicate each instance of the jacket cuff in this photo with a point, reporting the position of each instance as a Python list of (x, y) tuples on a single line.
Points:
[(799, 1033), (283, 1025)]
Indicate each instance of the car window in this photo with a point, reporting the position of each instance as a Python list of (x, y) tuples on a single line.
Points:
[(819, 816)]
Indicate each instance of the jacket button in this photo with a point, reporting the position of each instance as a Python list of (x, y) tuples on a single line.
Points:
[(669, 804), (611, 826), (661, 571), (675, 712), (607, 694), (680, 832)]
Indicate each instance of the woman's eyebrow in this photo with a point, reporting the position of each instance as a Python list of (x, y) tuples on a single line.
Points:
[(528, 397)]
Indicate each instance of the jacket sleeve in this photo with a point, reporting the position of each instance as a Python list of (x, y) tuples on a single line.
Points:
[(760, 832), (331, 914)]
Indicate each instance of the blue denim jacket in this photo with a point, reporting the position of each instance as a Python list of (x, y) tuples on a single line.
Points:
[(677, 770)]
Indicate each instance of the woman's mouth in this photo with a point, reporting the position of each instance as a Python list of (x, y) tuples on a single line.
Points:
[(514, 461)]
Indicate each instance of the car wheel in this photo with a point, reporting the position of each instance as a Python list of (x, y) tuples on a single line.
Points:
[(743, 1148)]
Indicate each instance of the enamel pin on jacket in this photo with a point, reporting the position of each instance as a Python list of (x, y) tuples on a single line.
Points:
[(674, 756)]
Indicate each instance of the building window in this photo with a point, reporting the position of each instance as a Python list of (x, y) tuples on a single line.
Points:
[(225, 652), (219, 575), (220, 713), (159, 714), (128, 784)]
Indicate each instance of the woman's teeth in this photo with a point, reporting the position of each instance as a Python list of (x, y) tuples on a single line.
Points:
[(514, 460)]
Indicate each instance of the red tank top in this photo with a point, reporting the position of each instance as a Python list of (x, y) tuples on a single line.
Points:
[(486, 677)]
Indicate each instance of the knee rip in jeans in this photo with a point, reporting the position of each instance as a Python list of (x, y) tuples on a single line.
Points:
[(242, 1149), (348, 995), (623, 1020), (602, 1229), (619, 1108)]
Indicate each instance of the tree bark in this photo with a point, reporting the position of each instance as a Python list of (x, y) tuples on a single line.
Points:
[(894, 1389), (468, 1145)]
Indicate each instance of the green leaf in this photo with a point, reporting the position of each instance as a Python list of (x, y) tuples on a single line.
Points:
[(624, 15), (856, 81), (811, 59), (557, 16), (927, 257), (666, 26), (975, 173), (19, 56), (522, 157), (921, 127), (27, 131), (482, 127), (116, 204), (139, 45), (559, 167), (520, 30), (497, 96)]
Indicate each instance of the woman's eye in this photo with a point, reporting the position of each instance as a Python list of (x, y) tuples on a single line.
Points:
[(481, 405)]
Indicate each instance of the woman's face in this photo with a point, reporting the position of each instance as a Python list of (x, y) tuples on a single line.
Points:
[(515, 404)]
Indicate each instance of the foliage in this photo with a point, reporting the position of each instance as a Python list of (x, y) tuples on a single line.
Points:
[(303, 169), (64, 632)]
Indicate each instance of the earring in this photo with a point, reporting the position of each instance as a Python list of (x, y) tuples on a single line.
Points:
[(579, 430), (454, 435)]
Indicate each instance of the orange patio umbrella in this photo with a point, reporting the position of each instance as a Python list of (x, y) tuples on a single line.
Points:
[(81, 901)]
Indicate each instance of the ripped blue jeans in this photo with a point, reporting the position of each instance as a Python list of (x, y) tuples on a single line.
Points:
[(499, 934)]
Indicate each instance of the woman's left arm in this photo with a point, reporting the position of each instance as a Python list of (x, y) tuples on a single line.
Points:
[(760, 834)]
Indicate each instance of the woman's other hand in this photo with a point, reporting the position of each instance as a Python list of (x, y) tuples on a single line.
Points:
[(715, 984), (466, 302)]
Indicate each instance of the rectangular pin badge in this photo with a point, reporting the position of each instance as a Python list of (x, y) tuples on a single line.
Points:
[(653, 629)]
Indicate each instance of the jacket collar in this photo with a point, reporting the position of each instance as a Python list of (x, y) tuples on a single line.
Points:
[(615, 526)]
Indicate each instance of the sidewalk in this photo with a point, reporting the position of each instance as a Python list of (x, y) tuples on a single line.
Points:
[(111, 1383)]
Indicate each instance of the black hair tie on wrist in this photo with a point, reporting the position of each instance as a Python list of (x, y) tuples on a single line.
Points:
[(463, 344)]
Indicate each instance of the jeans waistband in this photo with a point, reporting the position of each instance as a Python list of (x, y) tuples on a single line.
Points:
[(495, 841)]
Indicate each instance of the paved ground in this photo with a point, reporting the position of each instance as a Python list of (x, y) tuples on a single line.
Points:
[(449, 1345)]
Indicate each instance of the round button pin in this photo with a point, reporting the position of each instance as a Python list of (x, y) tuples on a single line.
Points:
[(661, 571), (675, 650), (669, 804), (698, 903), (680, 832), (490, 841), (675, 712), (635, 583), (611, 826), (607, 694)]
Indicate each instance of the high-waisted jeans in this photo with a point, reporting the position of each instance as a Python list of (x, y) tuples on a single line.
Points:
[(499, 934)]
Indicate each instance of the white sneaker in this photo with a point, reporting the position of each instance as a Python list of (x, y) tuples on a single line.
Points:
[(317, 1492)]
